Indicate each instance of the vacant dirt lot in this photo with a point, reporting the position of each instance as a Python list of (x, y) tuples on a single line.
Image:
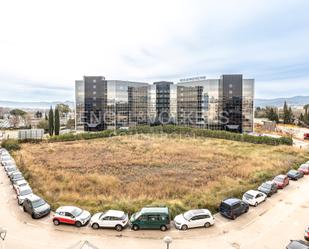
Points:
[(128, 172)]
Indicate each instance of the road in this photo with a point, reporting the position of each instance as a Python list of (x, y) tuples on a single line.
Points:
[(271, 225)]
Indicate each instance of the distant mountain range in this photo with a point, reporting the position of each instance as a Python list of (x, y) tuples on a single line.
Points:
[(279, 102), (34, 105)]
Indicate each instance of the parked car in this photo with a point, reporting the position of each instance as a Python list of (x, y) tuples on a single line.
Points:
[(295, 174), (8, 163), (194, 218), (110, 219), (254, 197), (297, 244), (18, 184), (281, 181), (151, 218), (233, 207), (16, 175), (304, 168), (269, 188), (306, 236), (10, 170), (36, 206), (23, 193), (71, 215)]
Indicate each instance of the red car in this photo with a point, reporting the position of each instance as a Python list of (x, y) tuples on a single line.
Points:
[(281, 181), (304, 168), (71, 215), (306, 236)]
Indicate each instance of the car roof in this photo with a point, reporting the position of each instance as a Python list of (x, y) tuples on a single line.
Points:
[(21, 181), (24, 188), (298, 244), (199, 211), (33, 197), (281, 176), (231, 201), (154, 210), (114, 213), (66, 209), (253, 192)]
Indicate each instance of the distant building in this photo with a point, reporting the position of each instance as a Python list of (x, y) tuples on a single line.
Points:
[(225, 103)]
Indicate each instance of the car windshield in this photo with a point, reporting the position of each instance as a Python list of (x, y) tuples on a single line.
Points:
[(77, 212), (188, 215), (26, 192), (266, 185), (38, 203), (279, 179), (248, 196), (293, 172)]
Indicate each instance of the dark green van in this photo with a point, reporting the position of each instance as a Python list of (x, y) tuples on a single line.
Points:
[(151, 218)]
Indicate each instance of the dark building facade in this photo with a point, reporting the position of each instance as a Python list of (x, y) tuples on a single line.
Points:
[(225, 103)]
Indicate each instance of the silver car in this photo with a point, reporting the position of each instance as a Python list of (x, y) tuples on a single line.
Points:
[(23, 193), (18, 184), (36, 206)]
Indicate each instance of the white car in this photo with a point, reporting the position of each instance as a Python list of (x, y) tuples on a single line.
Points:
[(194, 218), (254, 197), (110, 219), (23, 193), (19, 184), (71, 215)]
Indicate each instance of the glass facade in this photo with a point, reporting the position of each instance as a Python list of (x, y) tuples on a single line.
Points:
[(225, 103)]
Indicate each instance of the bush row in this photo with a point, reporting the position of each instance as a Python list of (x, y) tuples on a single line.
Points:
[(181, 130), (167, 129)]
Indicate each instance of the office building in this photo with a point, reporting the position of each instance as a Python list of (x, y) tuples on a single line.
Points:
[(223, 104)]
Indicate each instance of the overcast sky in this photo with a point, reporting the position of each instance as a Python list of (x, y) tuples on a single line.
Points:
[(46, 45)]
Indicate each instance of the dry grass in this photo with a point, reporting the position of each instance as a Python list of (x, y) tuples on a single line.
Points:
[(128, 172)]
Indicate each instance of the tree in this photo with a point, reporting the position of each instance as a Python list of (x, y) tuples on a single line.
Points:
[(63, 109), (43, 124), (51, 121), (70, 124), (16, 116), (38, 114), (285, 113), (57, 122), (272, 114)]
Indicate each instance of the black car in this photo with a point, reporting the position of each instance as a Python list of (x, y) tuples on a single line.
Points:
[(36, 206), (297, 244), (269, 188), (295, 174), (233, 207)]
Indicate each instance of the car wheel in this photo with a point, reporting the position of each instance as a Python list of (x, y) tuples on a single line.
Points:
[(207, 224), (24, 209), (256, 204), (234, 217), (118, 228), (33, 216), (135, 227), (56, 222), (163, 228), (95, 226), (184, 227), (78, 224)]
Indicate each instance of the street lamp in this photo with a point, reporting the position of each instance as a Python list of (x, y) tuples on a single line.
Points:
[(2, 233), (167, 240)]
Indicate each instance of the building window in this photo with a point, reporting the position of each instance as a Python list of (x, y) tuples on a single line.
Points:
[(94, 81), (94, 86), (231, 85), (230, 92), (94, 93)]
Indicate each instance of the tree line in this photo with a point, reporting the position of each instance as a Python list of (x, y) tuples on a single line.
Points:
[(286, 115)]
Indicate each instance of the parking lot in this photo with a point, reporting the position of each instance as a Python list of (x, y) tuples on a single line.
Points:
[(270, 225)]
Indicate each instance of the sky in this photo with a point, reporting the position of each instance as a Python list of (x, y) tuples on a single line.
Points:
[(46, 45)]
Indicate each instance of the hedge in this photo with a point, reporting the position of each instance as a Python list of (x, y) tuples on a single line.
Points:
[(172, 129), (10, 144)]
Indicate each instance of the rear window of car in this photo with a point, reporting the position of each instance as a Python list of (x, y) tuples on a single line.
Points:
[(248, 196), (266, 185), (225, 206), (26, 192)]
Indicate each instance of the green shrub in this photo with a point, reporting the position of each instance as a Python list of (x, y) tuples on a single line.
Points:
[(11, 144)]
